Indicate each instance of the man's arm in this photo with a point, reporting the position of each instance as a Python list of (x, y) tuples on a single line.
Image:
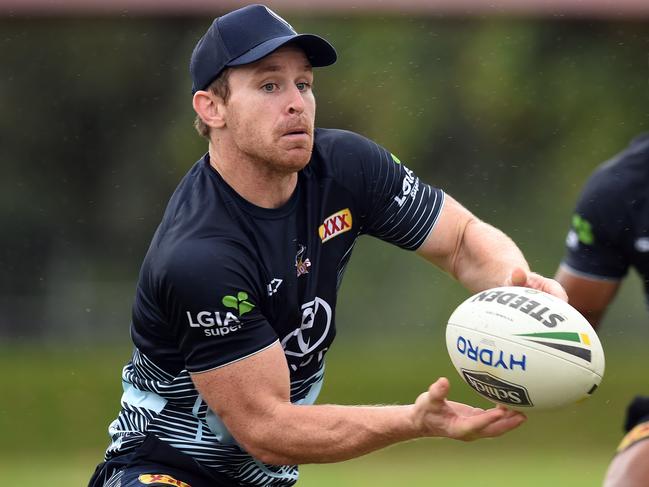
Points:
[(479, 255), (251, 396), (590, 297)]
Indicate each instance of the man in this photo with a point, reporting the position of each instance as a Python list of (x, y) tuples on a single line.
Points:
[(609, 234), (235, 305)]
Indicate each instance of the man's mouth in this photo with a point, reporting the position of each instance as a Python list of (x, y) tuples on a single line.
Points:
[(300, 136), (296, 132)]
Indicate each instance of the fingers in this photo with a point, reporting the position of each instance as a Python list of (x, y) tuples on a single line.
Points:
[(491, 423), (547, 285), (511, 420), (520, 277), (438, 391), (438, 416), (478, 422), (556, 289)]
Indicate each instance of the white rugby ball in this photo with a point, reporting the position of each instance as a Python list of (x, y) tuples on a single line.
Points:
[(524, 348)]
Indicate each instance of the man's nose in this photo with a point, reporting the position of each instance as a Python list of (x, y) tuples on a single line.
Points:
[(296, 101)]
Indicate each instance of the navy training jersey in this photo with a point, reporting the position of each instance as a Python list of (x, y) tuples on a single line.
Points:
[(224, 279), (610, 225)]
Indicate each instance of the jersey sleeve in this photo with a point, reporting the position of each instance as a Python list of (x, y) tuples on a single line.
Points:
[(595, 240), (397, 206), (214, 304)]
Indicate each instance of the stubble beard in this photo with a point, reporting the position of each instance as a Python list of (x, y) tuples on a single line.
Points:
[(276, 158)]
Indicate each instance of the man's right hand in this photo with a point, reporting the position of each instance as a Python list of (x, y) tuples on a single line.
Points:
[(435, 415)]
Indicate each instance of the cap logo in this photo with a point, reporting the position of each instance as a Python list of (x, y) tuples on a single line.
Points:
[(280, 19)]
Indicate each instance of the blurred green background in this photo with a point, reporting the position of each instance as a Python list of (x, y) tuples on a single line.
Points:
[(509, 114)]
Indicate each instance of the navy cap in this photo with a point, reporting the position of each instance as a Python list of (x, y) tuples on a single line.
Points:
[(245, 36)]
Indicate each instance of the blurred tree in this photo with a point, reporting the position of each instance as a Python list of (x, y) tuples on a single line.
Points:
[(507, 114)]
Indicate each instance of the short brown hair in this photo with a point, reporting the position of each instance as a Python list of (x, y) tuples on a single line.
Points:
[(221, 88)]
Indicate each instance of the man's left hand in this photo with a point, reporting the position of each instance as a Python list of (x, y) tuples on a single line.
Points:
[(521, 277)]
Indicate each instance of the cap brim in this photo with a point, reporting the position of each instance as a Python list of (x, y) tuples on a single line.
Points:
[(318, 51)]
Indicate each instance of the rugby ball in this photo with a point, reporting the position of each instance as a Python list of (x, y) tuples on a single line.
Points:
[(524, 348)]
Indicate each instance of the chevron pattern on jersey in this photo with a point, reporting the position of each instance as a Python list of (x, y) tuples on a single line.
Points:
[(409, 217), (169, 406)]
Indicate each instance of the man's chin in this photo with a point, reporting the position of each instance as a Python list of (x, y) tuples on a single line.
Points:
[(295, 164), (297, 157)]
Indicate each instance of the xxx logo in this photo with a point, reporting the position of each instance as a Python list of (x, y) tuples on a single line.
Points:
[(239, 302), (159, 479), (334, 225)]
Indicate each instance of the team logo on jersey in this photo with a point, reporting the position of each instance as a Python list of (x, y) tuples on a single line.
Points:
[(334, 225), (159, 479), (302, 265), (300, 345)]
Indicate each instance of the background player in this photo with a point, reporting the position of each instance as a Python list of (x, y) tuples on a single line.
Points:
[(235, 304), (609, 234)]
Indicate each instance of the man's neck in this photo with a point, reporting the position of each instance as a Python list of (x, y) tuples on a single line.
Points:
[(254, 181)]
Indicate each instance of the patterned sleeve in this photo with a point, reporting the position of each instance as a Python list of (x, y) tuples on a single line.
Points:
[(397, 206), (214, 303), (595, 242)]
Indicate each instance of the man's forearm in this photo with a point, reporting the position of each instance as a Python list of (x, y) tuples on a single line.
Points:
[(486, 257), (296, 434), (251, 396), (477, 254)]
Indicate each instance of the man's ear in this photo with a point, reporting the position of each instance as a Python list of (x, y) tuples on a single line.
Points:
[(210, 108)]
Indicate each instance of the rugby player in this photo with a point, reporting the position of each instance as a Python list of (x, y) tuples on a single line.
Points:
[(609, 235), (235, 304)]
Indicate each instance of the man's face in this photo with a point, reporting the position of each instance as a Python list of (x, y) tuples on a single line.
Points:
[(270, 115)]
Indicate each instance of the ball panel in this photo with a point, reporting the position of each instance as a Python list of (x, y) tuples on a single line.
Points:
[(517, 375), (509, 308), (581, 349)]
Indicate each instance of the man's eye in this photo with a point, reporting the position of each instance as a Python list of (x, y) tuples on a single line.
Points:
[(269, 87), (303, 86)]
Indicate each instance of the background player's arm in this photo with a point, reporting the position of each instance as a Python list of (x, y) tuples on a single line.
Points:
[(479, 255), (251, 396), (629, 468), (590, 297)]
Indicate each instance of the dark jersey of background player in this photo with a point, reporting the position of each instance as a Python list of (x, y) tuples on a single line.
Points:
[(610, 225), (610, 234), (224, 279)]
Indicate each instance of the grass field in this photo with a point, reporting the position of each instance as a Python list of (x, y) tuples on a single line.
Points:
[(61, 399), (414, 466)]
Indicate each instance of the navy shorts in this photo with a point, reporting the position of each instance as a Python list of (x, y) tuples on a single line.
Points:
[(154, 463)]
